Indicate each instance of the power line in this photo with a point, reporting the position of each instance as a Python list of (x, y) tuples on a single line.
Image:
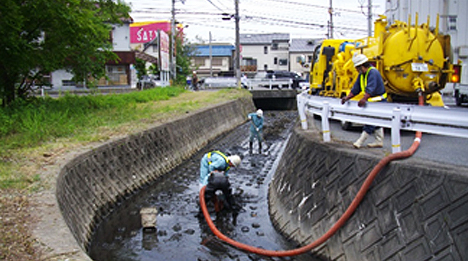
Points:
[(209, 13), (228, 8), (313, 5), (284, 22), (215, 5)]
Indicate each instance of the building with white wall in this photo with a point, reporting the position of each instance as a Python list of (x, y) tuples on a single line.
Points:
[(262, 52), (119, 73)]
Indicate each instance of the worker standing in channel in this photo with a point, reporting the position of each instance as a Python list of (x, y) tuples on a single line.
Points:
[(256, 129), (194, 81), (369, 82), (214, 168)]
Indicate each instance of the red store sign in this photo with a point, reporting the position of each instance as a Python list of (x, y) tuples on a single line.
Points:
[(147, 31)]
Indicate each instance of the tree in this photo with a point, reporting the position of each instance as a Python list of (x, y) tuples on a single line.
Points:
[(154, 69), (41, 36), (183, 51), (140, 66)]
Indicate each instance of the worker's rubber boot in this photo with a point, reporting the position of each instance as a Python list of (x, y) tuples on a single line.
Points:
[(250, 147), (379, 135), (361, 140), (259, 148)]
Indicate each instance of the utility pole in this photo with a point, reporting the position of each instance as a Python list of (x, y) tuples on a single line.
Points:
[(211, 58), (369, 18), (330, 11), (237, 64), (172, 68)]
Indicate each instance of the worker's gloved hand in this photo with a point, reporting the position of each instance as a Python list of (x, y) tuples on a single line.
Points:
[(343, 100), (362, 102), (250, 117), (257, 129)]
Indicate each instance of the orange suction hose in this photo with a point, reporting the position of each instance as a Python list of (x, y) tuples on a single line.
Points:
[(347, 214)]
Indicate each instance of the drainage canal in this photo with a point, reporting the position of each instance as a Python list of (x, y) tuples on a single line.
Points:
[(182, 232)]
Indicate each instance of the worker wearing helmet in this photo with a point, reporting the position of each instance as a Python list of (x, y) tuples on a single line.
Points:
[(214, 168), (256, 129), (369, 82)]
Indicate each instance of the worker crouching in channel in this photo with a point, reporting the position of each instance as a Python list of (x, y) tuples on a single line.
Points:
[(256, 129), (371, 84), (214, 168)]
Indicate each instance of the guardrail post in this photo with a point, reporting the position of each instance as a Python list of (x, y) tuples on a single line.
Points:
[(270, 85), (325, 123), (396, 125), (301, 102)]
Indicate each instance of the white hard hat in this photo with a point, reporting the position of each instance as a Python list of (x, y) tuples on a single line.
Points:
[(235, 160), (259, 113), (359, 59)]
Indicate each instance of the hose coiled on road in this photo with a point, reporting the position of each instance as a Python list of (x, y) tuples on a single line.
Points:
[(346, 215)]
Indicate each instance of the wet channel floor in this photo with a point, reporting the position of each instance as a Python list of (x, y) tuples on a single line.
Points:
[(182, 233)]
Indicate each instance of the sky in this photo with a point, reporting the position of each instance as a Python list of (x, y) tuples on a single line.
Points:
[(300, 18)]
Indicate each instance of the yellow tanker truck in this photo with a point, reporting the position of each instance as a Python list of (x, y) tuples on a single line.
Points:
[(411, 59)]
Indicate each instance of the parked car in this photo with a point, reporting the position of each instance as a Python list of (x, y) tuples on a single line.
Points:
[(148, 81), (297, 80)]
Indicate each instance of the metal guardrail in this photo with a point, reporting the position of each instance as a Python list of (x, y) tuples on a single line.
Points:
[(223, 82), (219, 82), (270, 83), (436, 120)]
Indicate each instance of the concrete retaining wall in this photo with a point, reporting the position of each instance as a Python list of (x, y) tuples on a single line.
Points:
[(414, 210), (90, 185)]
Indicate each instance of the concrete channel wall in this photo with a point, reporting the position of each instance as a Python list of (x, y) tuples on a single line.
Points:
[(90, 185), (415, 210)]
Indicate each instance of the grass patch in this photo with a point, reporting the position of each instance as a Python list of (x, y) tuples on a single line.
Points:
[(42, 120)]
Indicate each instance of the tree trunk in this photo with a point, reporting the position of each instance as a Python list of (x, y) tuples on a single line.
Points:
[(7, 86)]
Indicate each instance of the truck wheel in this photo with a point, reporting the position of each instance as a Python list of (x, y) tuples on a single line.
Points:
[(458, 99)]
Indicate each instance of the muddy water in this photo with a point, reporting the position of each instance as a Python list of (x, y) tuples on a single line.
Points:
[(182, 233)]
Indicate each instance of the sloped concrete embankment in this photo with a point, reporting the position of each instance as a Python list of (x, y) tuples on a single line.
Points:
[(90, 185), (415, 210)]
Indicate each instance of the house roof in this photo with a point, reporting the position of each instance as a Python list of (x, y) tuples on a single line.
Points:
[(128, 20), (146, 57), (216, 50), (263, 38), (303, 45)]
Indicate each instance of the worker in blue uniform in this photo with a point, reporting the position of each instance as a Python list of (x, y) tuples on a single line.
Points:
[(214, 168), (256, 129), (369, 82)]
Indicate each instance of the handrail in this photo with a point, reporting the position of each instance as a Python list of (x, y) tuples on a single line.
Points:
[(436, 120), (216, 82)]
